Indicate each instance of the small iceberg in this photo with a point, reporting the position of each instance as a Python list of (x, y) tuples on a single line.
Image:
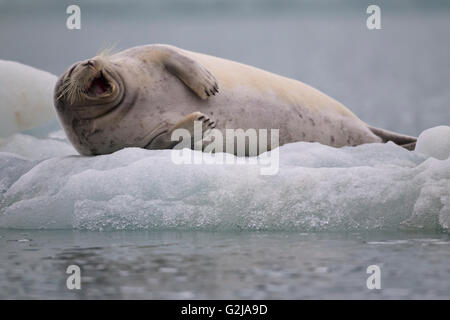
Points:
[(26, 97), (435, 142), (45, 184)]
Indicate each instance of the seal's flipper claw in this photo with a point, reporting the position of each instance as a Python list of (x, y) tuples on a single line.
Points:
[(164, 140), (409, 146), (188, 122)]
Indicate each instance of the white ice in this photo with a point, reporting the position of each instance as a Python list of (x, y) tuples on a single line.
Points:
[(26, 97), (377, 186), (435, 142), (45, 184)]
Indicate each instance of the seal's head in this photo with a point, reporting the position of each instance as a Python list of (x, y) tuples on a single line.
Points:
[(91, 86)]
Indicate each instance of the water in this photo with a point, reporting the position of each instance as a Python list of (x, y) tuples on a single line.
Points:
[(223, 265), (141, 227)]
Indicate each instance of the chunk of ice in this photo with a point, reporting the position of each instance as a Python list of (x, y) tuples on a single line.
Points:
[(318, 188), (26, 97), (435, 142)]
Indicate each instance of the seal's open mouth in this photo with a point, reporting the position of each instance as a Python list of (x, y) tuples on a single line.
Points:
[(98, 86)]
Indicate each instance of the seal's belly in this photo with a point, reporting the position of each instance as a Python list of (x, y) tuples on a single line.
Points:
[(244, 108), (237, 107)]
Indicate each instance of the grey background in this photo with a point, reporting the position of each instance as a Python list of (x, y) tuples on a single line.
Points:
[(396, 78)]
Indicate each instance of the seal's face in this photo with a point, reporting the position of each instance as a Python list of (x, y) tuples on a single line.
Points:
[(90, 84)]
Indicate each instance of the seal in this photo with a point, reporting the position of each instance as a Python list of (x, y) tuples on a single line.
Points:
[(138, 97)]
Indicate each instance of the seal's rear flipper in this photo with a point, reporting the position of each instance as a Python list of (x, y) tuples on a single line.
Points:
[(404, 141), (409, 146)]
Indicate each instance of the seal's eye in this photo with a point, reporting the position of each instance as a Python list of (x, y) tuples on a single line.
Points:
[(71, 70), (98, 86)]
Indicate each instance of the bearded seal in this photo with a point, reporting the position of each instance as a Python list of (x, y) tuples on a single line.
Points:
[(138, 97)]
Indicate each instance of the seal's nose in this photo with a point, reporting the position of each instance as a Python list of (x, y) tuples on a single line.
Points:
[(89, 63)]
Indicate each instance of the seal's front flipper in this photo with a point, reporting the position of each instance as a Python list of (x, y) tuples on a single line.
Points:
[(193, 74), (164, 140), (404, 141)]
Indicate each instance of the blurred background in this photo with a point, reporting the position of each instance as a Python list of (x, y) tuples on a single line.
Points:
[(396, 78)]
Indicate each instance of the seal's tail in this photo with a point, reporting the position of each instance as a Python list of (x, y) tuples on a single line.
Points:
[(404, 141)]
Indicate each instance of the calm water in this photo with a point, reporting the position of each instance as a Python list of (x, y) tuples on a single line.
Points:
[(396, 78), (211, 265)]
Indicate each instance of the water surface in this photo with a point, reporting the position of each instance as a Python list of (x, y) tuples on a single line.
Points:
[(223, 265)]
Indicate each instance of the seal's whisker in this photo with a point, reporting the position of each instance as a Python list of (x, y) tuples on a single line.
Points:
[(107, 51), (65, 88)]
